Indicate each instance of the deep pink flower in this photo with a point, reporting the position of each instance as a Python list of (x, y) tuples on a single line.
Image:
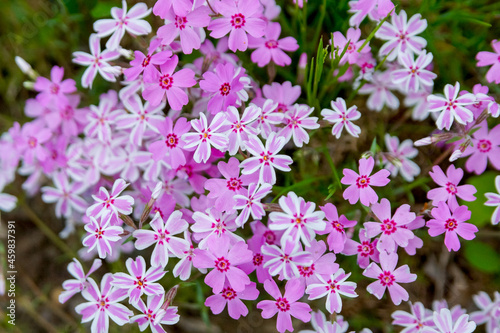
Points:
[(414, 74), (361, 183), (224, 261), (101, 235), (452, 223), (265, 159), (401, 35), (122, 21), (33, 138), (162, 7), (335, 228), (103, 304), (449, 190), (65, 194), (485, 146), (146, 63), (375, 9), (206, 136), (388, 277), (284, 94), (323, 264), (153, 315), (250, 203), (239, 18), (399, 158), (171, 146), (169, 83), (235, 307), (79, 283), (112, 203), (365, 249), (285, 305), (491, 58), (286, 259), (494, 200), (352, 53), (270, 48), (342, 117), (257, 263), (55, 89), (296, 121)]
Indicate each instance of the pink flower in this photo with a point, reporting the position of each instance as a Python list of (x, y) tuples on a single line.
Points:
[(389, 277), (55, 89), (240, 128), (286, 259), (171, 146), (103, 304), (419, 320), (101, 118), (323, 264), (296, 121), (451, 106), (225, 86), (239, 18), (285, 305), (97, 62), (322, 325), (169, 83), (162, 7), (101, 235), (494, 200), (390, 227), (268, 117), (151, 314), (32, 139), (206, 137), (399, 158), (332, 287), (65, 194), (375, 9), (162, 235), (445, 324), (414, 75), (214, 227), (183, 268), (146, 63), (235, 307), (491, 58), (186, 25), (224, 261), (485, 146), (284, 94), (73, 286), (250, 203), (335, 228), (122, 21), (299, 220), (111, 203), (353, 45), (452, 224), (401, 35), (379, 89), (139, 281), (342, 117), (265, 159), (270, 48), (489, 311), (365, 249), (360, 188), (449, 190)]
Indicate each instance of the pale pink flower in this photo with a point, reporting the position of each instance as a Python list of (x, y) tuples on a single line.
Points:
[(79, 283), (353, 44), (65, 194), (284, 94), (55, 89), (153, 314), (413, 75), (102, 235), (379, 89), (183, 268), (342, 117), (399, 158), (214, 227), (374, 9), (491, 58), (268, 117), (418, 321), (296, 121), (162, 7), (445, 324), (240, 128), (101, 118), (250, 203), (494, 200), (286, 259), (111, 203), (485, 146)]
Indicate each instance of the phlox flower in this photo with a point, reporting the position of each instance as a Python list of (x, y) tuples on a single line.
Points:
[(332, 287), (485, 146), (491, 58), (152, 312), (111, 203), (322, 264), (7, 202), (239, 18), (224, 259), (335, 228), (296, 121), (167, 83), (235, 307), (79, 283), (342, 117), (489, 311), (351, 40), (225, 86), (321, 325), (413, 75), (375, 9), (240, 127), (122, 21), (451, 106), (401, 35), (379, 88), (270, 48), (418, 321), (399, 158), (183, 268), (146, 63), (206, 136), (284, 94), (103, 304), (101, 235), (214, 227), (299, 220), (65, 194), (392, 234), (494, 200), (162, 7), (186, 25), (138, 280), (249, 202), (418, 100), (456, 311), (101, 118), (162, 235), (452, 223), (445, 324), (360, 184), (285, 305), (32, 142), (450, 190), (171, 145), (265, 159), (268, 117), (257, 262), (97, 62), (55, 89), (389, 277), (285, 260), (415, 242)]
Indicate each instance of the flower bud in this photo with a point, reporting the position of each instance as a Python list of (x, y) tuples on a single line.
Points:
[(423, 142), (456, 155), (157, 191), (25, 68)]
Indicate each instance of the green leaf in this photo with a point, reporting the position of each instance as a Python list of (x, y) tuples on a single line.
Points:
[(481, 214), (102, 9), (482, 256)]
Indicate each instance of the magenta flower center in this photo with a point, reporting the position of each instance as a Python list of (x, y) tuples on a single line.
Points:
[(351, 48), (271, 44), (172, 140), (166, 81), (363, 181), (388, 227), (238, 127), (222, 264), (54, 89), (403, 36), (306, 271), (180, 22), (234, 184), (99, 233), (484, 146), (146, 61), (103, 304), (450, 224), (338, 226), (225, 89), (32, 141), (238, 21), (219, 227), (205, 135), (229, 293), (266, 158), (282, 304), (332, 286), (281, 108), (67, 112), (270, 237), (257, 259), (141, 283), (386, 278), (366, 249), (451, 188)]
